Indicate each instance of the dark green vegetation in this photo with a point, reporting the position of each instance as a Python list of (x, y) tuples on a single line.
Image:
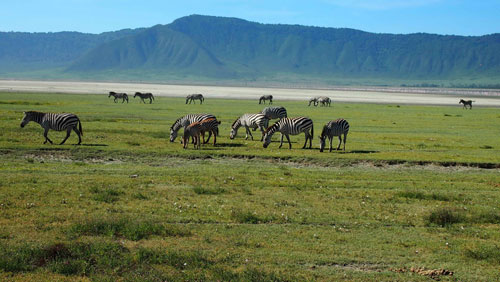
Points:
[(230, 49), (129, 205)]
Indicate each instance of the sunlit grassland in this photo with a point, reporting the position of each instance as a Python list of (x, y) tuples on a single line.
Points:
[(129, 205)]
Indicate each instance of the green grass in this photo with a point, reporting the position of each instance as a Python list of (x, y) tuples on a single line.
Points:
[(415, 188)]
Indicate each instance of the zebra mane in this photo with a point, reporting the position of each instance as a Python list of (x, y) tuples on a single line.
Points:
[(271, 127), (178, 121), (232, 125), (323, 132), (34, 113)]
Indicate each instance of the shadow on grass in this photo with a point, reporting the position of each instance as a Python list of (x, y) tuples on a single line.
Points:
[(95, 145), (228, 145), (360, 152)]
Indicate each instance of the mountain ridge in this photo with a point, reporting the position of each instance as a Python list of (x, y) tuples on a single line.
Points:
[(232, 48)]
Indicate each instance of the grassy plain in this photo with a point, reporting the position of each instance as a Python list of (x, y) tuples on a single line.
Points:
[(418, 188)]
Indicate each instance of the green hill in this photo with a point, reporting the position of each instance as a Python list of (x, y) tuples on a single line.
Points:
[(208, 47)]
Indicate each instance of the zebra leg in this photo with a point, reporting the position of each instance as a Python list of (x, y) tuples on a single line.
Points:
[(331, 139), (281, 143), (68, 132), (345, 138), (215, 137), (340, 142), (289, 143), (115, 100), (248, 133), (209, 135), (78, 133), (150, 100), (46, 137)]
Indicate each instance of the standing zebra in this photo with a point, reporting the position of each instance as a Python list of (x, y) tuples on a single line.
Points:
[(210, 125), (145, 96), (274, 112), (193, 97), (263, 99), (334, 128), (290, 126), (185, 121), (117, 96), (58, 122), (253, 121), (314, 101), (192, 131), (466, 103), (324, 101)]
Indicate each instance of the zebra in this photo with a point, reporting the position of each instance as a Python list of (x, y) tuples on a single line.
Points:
[(466, 103), (274, 112), (185, 121), (192, 131), (117, 96), (210, 125), (290, 126), (324, 101), (193, 97), (263, 99), (58, 122), (253, 121), (145, 96), (314, 101), (334, 128)]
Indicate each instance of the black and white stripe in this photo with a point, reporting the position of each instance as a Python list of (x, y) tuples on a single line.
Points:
[(117, 96), (190, 98), (274, 112), (314, 101), (253, 121), (336, 127), (185, 121), (58, 122), (290, 126), (145, 96), (324, 101), (263, 99)]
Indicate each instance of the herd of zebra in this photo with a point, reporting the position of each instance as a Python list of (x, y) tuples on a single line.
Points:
[(196, 125), (124, 96)]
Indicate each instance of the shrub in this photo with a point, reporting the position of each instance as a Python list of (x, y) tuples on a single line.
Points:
[(444, 217), (132, 229)]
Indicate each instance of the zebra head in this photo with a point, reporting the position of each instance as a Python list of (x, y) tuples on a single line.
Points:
[(267, 139), (234, 128), (111, 94), (26, 119), (173, 134), (322, 142)]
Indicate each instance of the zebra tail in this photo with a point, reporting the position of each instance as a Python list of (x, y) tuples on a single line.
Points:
[(80, 127)]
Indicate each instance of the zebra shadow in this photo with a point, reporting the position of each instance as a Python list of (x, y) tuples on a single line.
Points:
[(229, 145), (95, 145), (359, 152)]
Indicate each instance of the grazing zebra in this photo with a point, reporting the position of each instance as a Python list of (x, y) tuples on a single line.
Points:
[(117, 96), (466, 103), (290, 126), (210, 125), (185, 121), (192, 131), (314, 101), (263, 99), (58, 122), (324, 101), (253, 121), (145, 96), (193, 97), (334, 128), (274, 112)]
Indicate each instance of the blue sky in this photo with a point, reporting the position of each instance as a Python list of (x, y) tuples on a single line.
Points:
[(460, 17)]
